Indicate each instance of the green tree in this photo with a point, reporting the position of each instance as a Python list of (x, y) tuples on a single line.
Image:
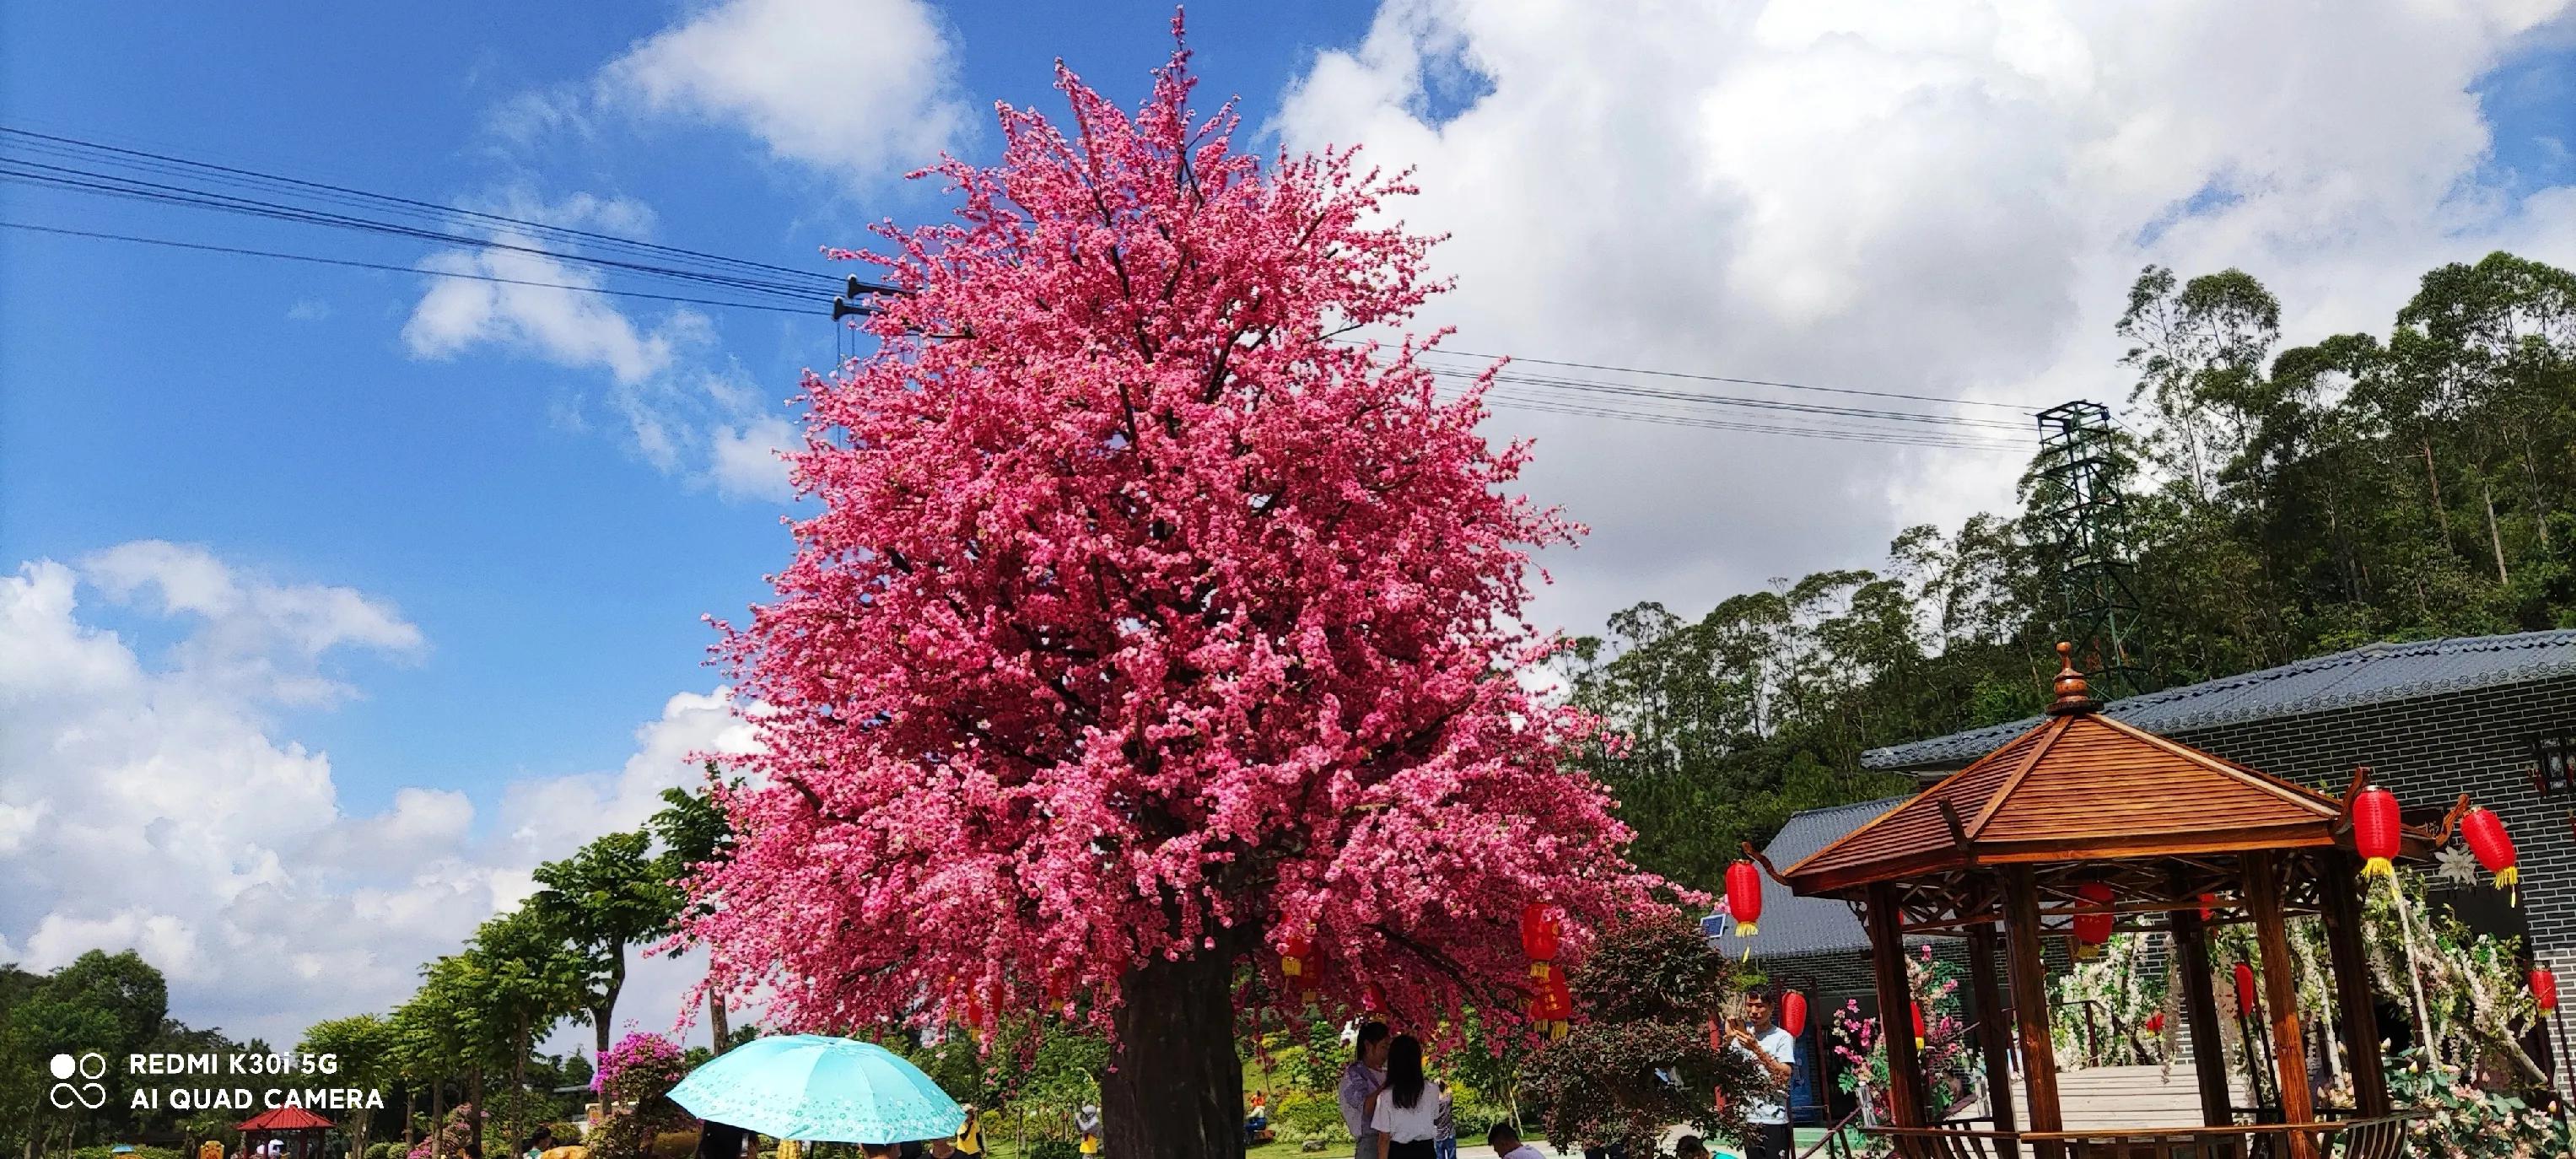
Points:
[(609, 895), (364, 1046), (695, 832), (531, 979)]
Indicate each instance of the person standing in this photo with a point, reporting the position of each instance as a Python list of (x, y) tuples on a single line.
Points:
[(1444, 1137), (1361, 1082), (1407, 1116), (970, 1136), (1775, 1051)]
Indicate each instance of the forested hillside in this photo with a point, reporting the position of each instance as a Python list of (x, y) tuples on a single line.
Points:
[(2284, 496)]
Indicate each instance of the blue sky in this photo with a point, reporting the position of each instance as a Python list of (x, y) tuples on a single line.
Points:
[(426, 569), (558, 576)]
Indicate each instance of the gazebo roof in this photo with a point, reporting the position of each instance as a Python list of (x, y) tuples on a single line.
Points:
[(2080, 786), (285, 1119)]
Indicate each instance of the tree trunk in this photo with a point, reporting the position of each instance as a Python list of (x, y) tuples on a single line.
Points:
[(599, 1015), (474, 1099), (437, 1108), (1174, 1087), (2495, 536), (519, 1083), (410, 1100), (2441, 517), (716, 1028)]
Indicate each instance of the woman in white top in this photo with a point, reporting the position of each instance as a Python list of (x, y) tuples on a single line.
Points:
[(1408, 1110)]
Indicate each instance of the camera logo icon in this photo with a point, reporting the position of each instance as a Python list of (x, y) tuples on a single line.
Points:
[(89, 1093)]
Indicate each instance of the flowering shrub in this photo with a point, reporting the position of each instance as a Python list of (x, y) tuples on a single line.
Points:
[(641, 1066), (1949, 1063), (450, 1137), (2454, 1117), (635, 1079), (2104, 1004)]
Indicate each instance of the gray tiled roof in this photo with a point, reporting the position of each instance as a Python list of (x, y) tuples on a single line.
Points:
[(2372, 674), (1803, 925)]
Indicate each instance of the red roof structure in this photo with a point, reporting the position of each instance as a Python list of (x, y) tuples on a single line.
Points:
[(286, 1119)]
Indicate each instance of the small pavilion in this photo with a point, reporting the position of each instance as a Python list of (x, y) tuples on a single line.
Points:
[(298, 1131), (2004, 854)]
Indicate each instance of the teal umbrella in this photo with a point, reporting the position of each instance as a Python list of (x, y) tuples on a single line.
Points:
[(820, 1089)]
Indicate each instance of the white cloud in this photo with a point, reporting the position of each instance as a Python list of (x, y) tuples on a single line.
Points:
[(151, 799), (1945, 200), (861, 88), (686, 409), (308, 310)]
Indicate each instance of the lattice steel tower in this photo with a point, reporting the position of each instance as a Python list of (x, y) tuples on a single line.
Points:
[(2076, 492)]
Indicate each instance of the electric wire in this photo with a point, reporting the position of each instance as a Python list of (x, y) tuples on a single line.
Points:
[(391, 268), (368, 212)]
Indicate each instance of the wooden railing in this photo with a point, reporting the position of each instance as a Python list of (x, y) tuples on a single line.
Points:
[(2381, 1138)]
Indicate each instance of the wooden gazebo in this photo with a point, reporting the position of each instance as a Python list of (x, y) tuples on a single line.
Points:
[(298, 1132), (2003, 854)]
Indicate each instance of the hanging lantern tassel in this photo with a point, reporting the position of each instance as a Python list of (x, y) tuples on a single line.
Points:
[(2375, 831), (2494, 847)]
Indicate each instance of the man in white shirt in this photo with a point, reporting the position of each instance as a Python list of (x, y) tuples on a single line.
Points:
[(1507, 1144), (1361, 1082), (1772, 1048)]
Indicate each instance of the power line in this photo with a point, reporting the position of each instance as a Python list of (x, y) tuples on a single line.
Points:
[(100, 152), (1730, 379), (367, 212), (391, 268)]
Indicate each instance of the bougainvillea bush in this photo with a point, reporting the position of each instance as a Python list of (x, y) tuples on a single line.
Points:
[(635, 1079), (1151, 620), (639, 1067), (449, 1140)]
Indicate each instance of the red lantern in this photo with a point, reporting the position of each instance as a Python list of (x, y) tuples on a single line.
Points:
[(1716, 1034), (2375, 831), (1744, 897), (2544, 988), (1293, 951), (2156, 1022), (1540, 931), (2092, 918), (2208, 906), (1793, 1013), (1918, 1026), (2244, 990), (2494, 846), (1552, 1005)]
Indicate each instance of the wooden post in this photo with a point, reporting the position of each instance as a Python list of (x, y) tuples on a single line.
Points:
[(2281, 998), (1895, 1000), (2200, 1016), (2030, 1004), (2342, 913), (1992, 1035)]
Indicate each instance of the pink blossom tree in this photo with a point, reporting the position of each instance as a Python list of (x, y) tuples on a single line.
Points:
[(1145, 627)]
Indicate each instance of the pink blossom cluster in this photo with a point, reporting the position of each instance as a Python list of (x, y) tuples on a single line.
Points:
[(638, 1066), (1144, 616)]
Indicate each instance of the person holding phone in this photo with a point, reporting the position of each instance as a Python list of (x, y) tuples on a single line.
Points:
[(1775, 1050)]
